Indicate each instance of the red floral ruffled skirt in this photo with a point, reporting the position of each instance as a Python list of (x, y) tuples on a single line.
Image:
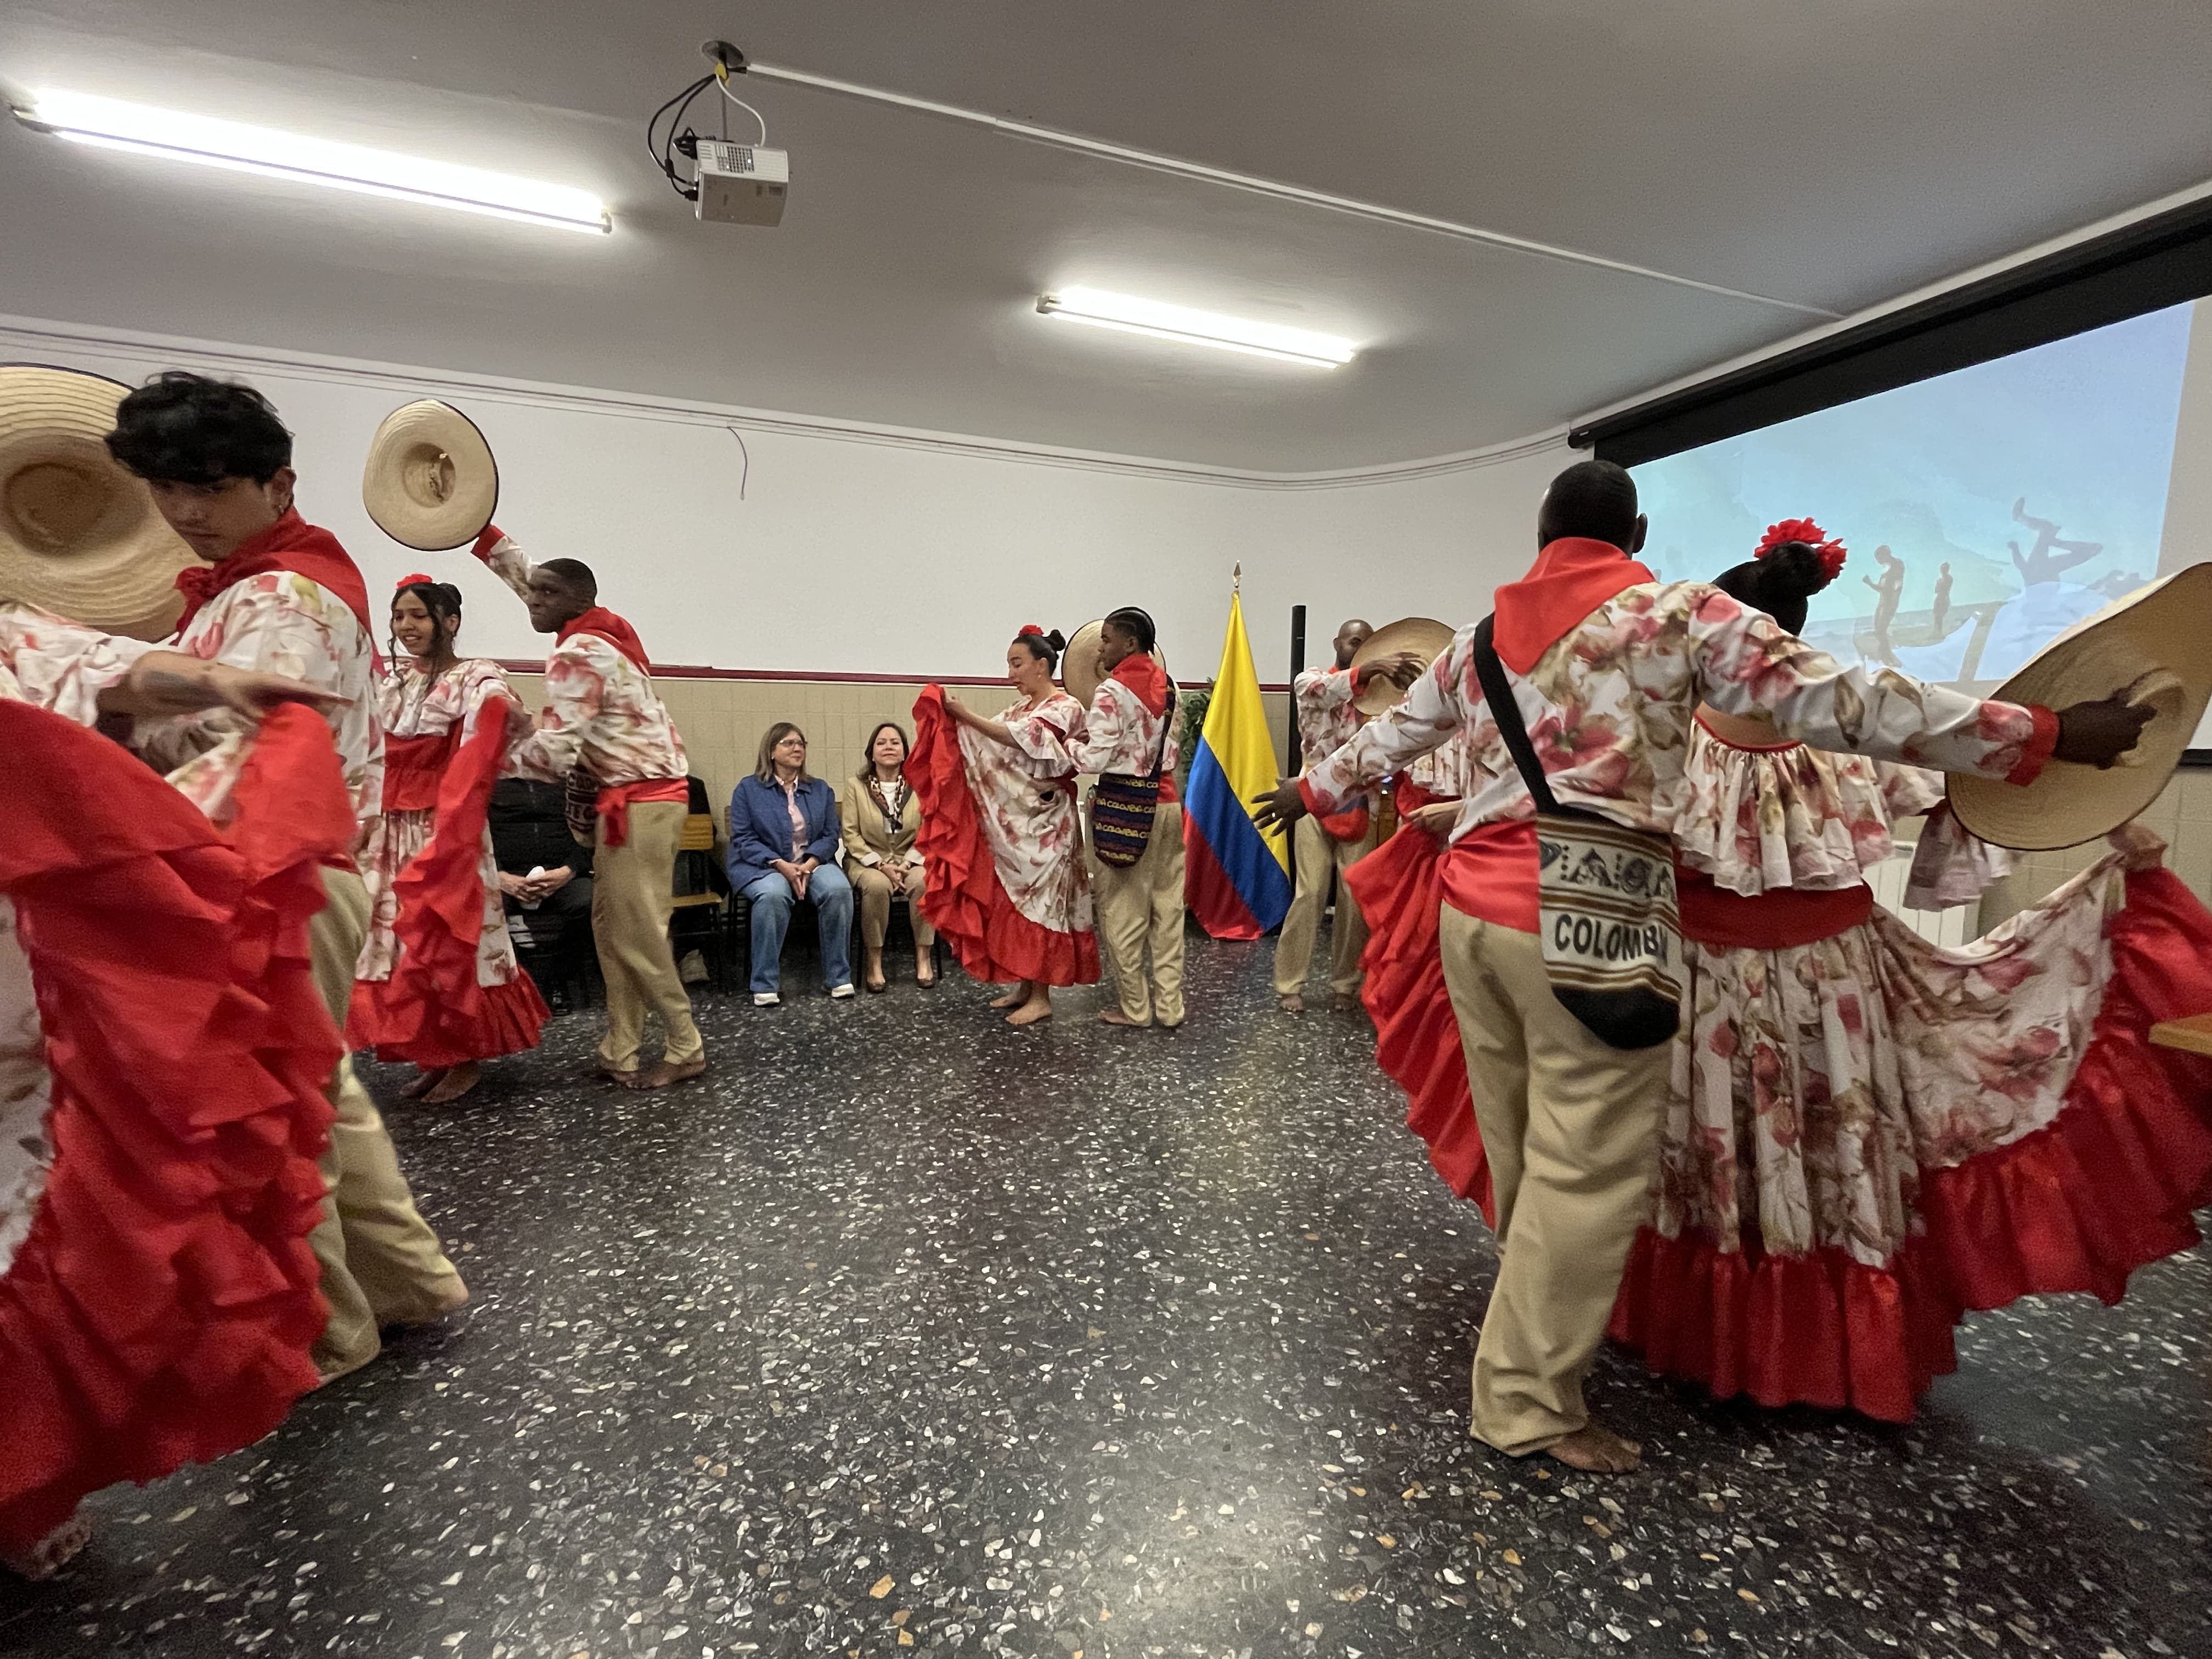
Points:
[(1869, 1135), (161, 1307)]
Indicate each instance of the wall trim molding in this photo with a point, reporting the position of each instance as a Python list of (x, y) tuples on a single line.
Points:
[(24, 339)]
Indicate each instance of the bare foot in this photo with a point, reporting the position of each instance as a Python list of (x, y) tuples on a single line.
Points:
[(453, 1085), (1013, 998), (1115, 1017), (1595, 1450), (51, 1554), (1038, 1007), (602, 1068), (426, 1079), (1344, 1003), (925, 972), (660, 1075)]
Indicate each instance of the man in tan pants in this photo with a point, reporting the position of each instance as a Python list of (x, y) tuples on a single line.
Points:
[(1591, 640), (1321, 856), (381, 1263), (604, 719), (1568, 1125), (632, 898), (1325, 700), (1129, 731), (1140, 907)]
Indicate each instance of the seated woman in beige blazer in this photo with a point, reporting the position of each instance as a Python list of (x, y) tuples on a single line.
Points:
[(880, 817)]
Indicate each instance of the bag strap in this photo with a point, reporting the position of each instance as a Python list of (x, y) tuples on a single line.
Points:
[(1498, 692), (1169, 715)]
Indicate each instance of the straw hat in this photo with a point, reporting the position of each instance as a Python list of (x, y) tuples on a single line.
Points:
[(79, 535), (1080, 670), (431, 482), (1425, 637), (2151, 645)]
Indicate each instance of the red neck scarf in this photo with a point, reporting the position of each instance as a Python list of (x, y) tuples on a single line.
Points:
[(1144, 677), (603, 622), (291, 543), (1571, 577)]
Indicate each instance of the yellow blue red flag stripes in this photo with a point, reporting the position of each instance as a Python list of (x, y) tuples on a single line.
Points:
[(1237, 878)]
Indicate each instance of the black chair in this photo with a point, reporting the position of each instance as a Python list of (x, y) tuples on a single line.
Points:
[(696, 921)]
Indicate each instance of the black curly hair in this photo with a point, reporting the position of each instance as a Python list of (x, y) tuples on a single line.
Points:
[(186, 428)]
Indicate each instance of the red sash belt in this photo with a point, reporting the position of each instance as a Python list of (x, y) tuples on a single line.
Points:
[(413, 766), (1769, 922), (616, 798)]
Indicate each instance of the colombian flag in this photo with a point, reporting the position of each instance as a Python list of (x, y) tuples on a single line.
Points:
[(1237, 881)]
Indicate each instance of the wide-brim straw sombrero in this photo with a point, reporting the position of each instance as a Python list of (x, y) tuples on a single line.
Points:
[(430, 481), (2155, 645), (1424, 636), (79, 535), (1080, 670)]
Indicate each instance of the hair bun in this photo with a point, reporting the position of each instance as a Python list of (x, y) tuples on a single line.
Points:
[(1057, 641), (1797, 569)]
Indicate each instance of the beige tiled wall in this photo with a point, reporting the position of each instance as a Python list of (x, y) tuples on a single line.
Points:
[(2183, 814), (722, 720)]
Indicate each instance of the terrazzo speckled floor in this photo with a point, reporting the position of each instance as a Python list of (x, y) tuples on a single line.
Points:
[(913, 1333)]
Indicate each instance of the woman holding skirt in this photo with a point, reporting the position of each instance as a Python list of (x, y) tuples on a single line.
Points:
[(1000, 834), (1866, 1135), (437, 983)]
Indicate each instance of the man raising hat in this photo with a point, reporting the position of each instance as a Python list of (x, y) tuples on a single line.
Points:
[(276, 596), (603, 718), (1608, 665), (1328, 716)]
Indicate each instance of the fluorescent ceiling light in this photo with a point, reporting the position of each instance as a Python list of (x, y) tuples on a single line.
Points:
[(1134, 316), (110, 124)]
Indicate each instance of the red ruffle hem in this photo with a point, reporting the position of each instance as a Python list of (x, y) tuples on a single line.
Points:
[(432, 1011), (1400, 890), (965, 901), (161, 1309), (2105, 1187)]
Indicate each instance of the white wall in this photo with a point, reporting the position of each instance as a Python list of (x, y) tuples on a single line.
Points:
[(847, 556)]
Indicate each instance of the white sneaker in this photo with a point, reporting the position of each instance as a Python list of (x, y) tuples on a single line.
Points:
[(767, 999), (839, 992)]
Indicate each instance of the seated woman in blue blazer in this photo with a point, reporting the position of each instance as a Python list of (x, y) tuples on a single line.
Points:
[(783, 851)]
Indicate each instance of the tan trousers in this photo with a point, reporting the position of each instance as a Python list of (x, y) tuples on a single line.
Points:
[(381, 1263), (1570, 1128), (1141, 906), (632, 898), (1319, 854), (874, 888)]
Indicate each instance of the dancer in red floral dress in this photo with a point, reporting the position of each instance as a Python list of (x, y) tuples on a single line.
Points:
[(1866, 1134)]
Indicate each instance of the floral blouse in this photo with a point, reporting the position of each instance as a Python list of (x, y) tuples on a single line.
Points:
[(1609, 710), (1118, 734), (1784, 816), (1327, 715), (277, 623), (601, 711)]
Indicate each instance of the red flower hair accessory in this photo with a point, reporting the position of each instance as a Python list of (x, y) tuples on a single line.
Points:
[(413, 580), (1832, 553), (1028, 629)]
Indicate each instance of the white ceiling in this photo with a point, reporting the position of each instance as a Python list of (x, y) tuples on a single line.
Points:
[(1831, 156)]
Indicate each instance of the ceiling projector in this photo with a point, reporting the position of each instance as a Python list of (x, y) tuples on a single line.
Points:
[(741, 184)]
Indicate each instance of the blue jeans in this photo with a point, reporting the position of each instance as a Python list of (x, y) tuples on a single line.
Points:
[(831, 895)]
